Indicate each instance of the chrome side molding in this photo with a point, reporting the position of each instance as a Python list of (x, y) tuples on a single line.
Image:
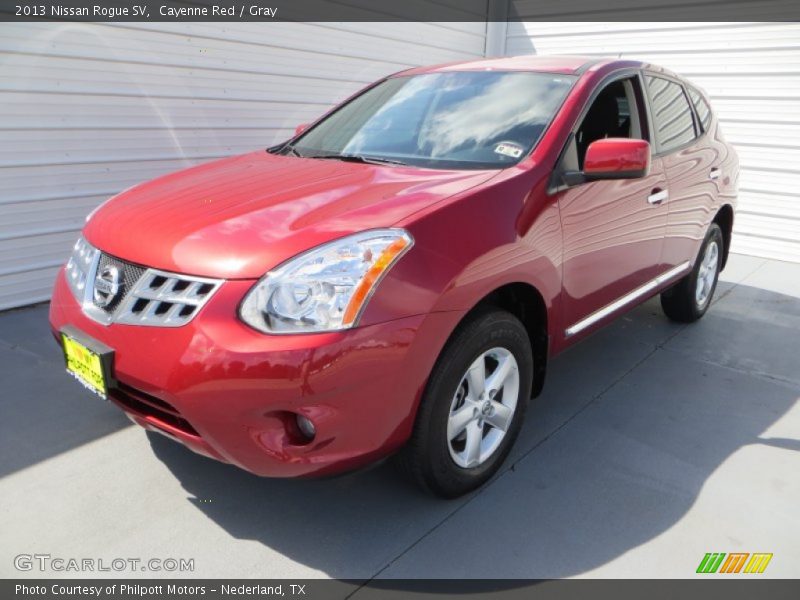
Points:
[(628, 298)]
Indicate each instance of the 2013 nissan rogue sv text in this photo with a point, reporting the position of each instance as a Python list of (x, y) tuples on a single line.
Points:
[(396, 276)]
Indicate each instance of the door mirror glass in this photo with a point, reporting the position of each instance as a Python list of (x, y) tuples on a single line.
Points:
[(617, 158)]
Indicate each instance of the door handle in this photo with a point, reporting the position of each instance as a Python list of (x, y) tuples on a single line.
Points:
[(715, 173), (658, 196)]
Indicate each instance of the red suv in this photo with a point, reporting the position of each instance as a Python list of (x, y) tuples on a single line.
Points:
[(396, 276)]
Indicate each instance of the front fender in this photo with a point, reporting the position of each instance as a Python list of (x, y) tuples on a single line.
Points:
[(508, 231)]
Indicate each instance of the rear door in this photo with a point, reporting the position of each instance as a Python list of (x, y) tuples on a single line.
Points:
[(691, 167), (613, 230)]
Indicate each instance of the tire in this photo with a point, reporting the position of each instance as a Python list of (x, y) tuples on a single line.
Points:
[(684, 302), (446, 462)]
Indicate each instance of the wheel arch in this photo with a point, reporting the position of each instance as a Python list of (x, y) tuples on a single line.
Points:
[(724, 218), (525, 302)]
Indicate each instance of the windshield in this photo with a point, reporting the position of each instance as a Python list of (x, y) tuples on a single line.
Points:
[(458, 120)]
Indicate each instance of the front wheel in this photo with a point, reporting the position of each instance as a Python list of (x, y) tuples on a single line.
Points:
[(689, 299), (473, 406)]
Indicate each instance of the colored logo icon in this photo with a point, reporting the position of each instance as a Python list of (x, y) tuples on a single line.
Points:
[(735, 562)]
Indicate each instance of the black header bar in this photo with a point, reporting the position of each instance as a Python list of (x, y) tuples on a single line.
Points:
[(745, 588), (397, 10)]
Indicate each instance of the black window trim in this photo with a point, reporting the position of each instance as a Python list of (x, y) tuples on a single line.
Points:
[(699, 130)]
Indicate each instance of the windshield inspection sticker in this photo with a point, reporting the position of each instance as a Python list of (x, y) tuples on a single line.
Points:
[(509, 149)]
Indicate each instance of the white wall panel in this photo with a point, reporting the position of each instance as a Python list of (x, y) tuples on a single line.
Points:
[(752, 73), (87, 110), (90, 109)]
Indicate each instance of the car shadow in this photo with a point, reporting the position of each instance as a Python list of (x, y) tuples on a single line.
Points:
[(632, 423)]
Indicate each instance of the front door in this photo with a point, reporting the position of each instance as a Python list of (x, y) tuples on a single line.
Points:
[(613, 230)]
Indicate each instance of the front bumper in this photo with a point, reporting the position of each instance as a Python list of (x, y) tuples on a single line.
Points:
[(231, 393)]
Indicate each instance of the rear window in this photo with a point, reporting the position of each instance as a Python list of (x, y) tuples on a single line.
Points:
[(674, 121), (701, 106)]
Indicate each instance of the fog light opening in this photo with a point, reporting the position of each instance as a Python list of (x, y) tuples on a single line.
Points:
[(306, 427)]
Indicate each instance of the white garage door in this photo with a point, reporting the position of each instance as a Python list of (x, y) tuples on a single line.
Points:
[(87, 110), (751, 72)]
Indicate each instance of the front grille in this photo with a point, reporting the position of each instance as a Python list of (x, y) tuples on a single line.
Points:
[(149, 406), (112, 290), (165, 299), (129, 275)]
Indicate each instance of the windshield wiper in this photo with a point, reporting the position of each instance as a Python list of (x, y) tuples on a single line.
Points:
[(288, 148), (375, 160)]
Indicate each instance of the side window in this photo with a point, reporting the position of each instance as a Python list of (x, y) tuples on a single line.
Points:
[(615, 112), (701, 106), (672, 114)]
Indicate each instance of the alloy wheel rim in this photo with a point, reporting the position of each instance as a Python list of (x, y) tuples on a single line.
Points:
[(483, 408), (707, 274)]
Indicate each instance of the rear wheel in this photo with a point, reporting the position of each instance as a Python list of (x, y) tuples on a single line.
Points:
[(473, 405), (689, 299)]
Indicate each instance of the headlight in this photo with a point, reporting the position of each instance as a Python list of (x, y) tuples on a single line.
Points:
[(324, 289), (78, 267)]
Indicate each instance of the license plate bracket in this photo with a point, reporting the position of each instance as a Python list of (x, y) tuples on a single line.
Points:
[(88, 361)]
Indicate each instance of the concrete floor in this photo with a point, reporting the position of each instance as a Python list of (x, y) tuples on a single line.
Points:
[(653, 444)]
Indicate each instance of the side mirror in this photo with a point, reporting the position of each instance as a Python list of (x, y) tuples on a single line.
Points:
[(300, 129), (616, 158)]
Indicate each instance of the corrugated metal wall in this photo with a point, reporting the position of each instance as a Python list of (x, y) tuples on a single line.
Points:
[(90, 109), (87, 110), (752, 73)]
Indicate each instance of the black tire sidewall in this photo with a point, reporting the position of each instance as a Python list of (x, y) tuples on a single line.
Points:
[(490, 330)]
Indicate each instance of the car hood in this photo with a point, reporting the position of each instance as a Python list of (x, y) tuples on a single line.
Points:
[(236, 218)]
